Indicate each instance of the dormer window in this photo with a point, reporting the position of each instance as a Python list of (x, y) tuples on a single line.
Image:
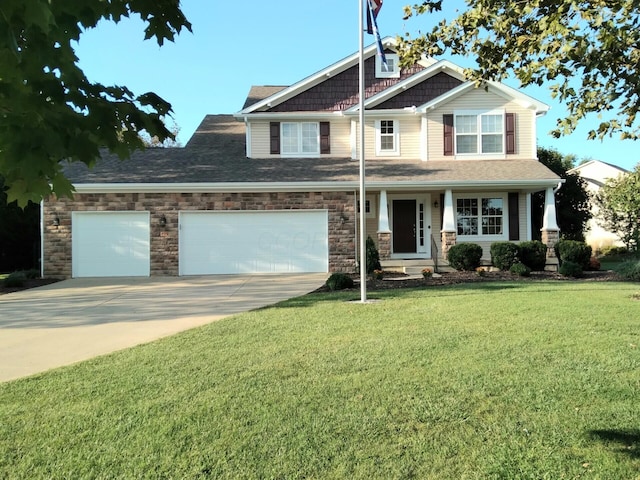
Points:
[(391, 70), (300, 138), (306, 139)]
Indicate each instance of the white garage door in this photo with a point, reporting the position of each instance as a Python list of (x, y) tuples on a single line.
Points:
[(254, 242), (110, 244)]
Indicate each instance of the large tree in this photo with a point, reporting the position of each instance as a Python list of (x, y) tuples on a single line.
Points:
[(618, 203), (50, 112), (19, 234), (573, 208), (587, 52)]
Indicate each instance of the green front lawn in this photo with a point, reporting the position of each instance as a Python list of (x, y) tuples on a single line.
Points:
[(491, 380)]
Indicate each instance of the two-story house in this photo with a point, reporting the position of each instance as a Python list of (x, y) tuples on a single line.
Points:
[(274, 187)]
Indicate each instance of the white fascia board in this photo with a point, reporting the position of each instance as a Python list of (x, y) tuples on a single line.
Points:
[(212, 187), (497, 88), (392, 112), (316, 78), (292, 116), (237, 187), (523, 99), (441, 66), (527, 185)]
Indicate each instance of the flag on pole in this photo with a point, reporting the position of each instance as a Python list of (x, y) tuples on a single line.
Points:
[(373, 7)]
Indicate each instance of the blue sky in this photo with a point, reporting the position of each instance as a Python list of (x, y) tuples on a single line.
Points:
[(238, 44)]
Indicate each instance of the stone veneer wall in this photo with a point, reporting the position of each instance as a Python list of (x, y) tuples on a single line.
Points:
[(164, 240)]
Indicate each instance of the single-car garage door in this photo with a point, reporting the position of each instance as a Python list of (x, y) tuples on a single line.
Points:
[(110, 244), (254, 242)]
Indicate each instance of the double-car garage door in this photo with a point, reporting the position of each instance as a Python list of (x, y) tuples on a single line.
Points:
[(118, 243)]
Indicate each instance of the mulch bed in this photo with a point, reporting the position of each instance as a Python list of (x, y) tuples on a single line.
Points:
[(394, 280), (397, 280)]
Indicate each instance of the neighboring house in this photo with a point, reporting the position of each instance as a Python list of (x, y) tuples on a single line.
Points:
[(596, 173), (274, 188)]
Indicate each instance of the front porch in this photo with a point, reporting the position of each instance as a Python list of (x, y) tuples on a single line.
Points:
[(414, 230)]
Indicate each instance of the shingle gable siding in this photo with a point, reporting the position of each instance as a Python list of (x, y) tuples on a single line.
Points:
[(422, 92), (341, 91)]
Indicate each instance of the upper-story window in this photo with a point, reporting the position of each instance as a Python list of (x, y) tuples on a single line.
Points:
[(300, 138), (480, 133), (387, 137), (391, 70)]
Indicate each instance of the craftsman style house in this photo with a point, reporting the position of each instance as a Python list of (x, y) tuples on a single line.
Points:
[(274, 187)]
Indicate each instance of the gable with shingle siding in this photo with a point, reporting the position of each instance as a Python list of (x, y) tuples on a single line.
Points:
[(340, 92)]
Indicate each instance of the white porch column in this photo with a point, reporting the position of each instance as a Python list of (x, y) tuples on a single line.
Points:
[(550, 232), (448, 219), (448, 232), (383, 214), (549, 220)]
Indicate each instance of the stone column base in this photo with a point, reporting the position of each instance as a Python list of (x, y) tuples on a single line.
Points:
[(448, 241), (384, 245), (550, 238)]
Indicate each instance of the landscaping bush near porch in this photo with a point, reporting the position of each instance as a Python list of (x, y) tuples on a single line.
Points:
[(528, 380)]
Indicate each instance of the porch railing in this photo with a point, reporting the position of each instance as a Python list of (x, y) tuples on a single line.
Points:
[(434, 253)]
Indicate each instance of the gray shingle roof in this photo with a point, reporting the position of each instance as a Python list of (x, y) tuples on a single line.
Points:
[(216, 154)]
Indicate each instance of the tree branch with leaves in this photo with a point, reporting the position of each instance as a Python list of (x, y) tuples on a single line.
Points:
[(588, 53), (50, 113)]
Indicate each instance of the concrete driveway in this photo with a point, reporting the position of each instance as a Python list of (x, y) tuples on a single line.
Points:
[(78, 319)]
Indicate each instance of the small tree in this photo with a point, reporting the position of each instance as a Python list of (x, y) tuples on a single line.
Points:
[(618, 202), (373, 256)]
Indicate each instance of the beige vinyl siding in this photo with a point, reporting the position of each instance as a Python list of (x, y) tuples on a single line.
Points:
[(523, 216), (409, 134), (480, 100), (339, 138)]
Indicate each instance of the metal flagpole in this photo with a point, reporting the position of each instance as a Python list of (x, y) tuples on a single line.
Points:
[(363, 251)]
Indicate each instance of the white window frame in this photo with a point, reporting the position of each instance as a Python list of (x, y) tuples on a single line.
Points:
[(480, 236), (299, 139), (381, 125), (479, 114), (393, 62)]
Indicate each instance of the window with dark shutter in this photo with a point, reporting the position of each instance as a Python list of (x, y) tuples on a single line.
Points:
[(274, 136), (447, 121), (510, 131), (514, 217), (325, 144)]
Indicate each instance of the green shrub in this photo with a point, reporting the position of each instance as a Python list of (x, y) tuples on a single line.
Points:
[(573, 251), (31, 274), (630, 270), (465, 256), (16, 279), (613, 251), (533, 254), (504, 254), (373, 256), (570, 269), (339, 281), (520, 269)]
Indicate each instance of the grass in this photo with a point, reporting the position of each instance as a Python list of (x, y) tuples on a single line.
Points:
[(522, 380)]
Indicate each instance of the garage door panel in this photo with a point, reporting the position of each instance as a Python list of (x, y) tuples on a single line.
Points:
[(253, 242), (110, 244)]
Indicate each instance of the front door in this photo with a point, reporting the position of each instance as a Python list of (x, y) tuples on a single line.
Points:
[(404, 226)]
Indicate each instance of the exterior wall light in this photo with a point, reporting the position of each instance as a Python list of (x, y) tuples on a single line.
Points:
[(163, 221), (56, 222)]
